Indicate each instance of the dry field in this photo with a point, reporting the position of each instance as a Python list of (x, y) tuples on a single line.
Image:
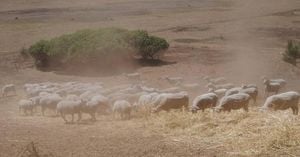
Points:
[(241, 40)]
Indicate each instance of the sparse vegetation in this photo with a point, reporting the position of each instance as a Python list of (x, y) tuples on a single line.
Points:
[(292, 52), (96, 47), (237, 133)]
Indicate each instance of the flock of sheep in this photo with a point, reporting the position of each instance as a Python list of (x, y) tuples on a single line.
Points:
[(73, 98)]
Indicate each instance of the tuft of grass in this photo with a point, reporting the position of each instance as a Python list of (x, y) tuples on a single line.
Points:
[(236, 133)]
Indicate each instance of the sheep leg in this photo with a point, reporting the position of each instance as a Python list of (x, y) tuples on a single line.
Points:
[(20, 110), (129, 115), (79, 116), (72, 117), (56, 113), (122, 116), (246, 108), (43, 111), (93, 115), (295, 110), (63, 117), (265, 92)]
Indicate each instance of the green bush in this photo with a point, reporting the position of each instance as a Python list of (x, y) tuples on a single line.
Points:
[(149, 47), (96, 47), (292, 52)]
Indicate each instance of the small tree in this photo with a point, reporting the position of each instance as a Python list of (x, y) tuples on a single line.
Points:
[(149, 47), (292, 52), (39, 52)]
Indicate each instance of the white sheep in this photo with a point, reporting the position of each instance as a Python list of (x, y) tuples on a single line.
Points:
[(123, 108), (204, 101), (134, 77), (149, 89), (174, 80), (232, 91), (168, 101), (26, 105), (220, 92), (252, 92), (171, 90), (145, 101), (71, 107), (49, 102), (191, 86), (249, 86), (234, 102), (73, 97), (271, 87), (282, 82), (94, 104), (283, 101), (218, 80), (220, 86), (9, 88)]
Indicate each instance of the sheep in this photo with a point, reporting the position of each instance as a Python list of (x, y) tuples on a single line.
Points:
[(218, 80), (35, 100), (49, 102), (232, 91), (249, 86), (86, 96), (31, 92), (114, 89), (72, 97), (171, 90), (9, 88), (204, 101), (145, 101), (282, 82), (72, 107), (234, 102), (167, 102), (191, 86), (174, 80), (131, 90), (148, 89), (123, 108), (252, 92), (41, 94), (26, 105), (96, 102), (271, 87), (134, 77), (220, 92), (131, 98), (283, 101), (220, 86)]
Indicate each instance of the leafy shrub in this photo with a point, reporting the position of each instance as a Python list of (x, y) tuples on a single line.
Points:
[(292, 52), (96, 47), (149, 46)]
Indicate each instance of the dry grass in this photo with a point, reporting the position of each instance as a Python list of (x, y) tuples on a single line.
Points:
[(238, 133)]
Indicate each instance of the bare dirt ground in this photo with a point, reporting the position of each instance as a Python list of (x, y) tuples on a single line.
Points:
[(237, 39)]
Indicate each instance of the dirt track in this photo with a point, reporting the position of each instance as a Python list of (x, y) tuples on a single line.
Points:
[(221, 37)]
